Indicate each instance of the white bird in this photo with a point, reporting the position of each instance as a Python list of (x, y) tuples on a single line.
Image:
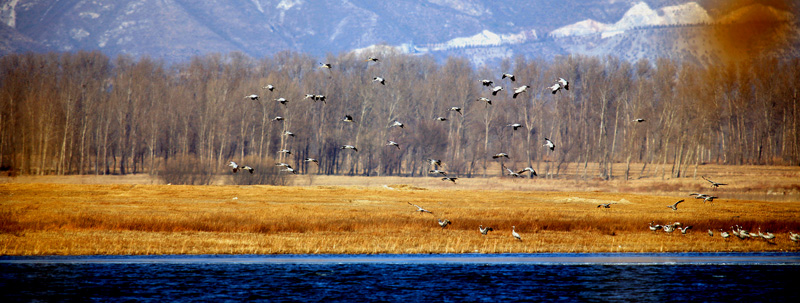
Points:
[(349, 147), (530, 169), (348, 118), (278, 118), (484, 99), (710, 233), (319, 98), (269, 87), (794, 237), (379, 80), (724, 234), (640, 120), (509, 76), (288, 133), (252, 97), (248, 168), (514, 233), (487, 82), (285, 151), (444, 223), (234, 166), (549, 144), (709, 198), (519, 90), (698, 195), (486, 230), (397, 123), (767, 235), (420, 209), (282, 164), (496, 89), (436, 171), (500, 155), (281, 101), (325, 65), (290, 170), (606, 205), (515, 126), (451, 179), (563, 83), (512, 173), (441, 119), (372, 59), (311, 160), (392, 143), (309, 96), (456, 109), (684, 229), (675, 206), (555, 88), (654, 227)]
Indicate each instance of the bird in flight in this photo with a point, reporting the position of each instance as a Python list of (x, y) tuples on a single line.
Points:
[(549, 144), (509, 76), (515, 126), (486, 230), (379, 80), (606, 205), (563, 83), (487, 82), (674, 207), (713, 184), (444, 223), (451, 179), (392, 143), (234, 166), (420, 209)]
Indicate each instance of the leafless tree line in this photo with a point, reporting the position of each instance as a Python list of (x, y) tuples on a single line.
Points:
[(84, 113)]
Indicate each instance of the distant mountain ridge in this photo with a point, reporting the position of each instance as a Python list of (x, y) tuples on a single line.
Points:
[(484, 31)]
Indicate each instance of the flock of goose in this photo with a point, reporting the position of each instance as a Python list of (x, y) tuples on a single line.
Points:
[(483, 230), (436, 165)]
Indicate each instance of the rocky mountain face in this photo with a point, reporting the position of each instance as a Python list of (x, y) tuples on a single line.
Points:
[(485, 31)]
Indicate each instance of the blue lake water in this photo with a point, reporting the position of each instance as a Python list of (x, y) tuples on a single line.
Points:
[(680, 277)]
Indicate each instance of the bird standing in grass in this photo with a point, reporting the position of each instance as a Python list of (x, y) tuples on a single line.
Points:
[(514, 233)]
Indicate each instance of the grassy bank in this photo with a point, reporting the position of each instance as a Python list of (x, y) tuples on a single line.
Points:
[(74, 219)]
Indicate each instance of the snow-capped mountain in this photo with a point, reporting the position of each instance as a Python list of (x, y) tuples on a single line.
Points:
[(484, 31)]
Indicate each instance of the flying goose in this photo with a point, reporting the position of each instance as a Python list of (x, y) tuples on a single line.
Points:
[(319, 98), (530, 169), (500, 155), (349, 147), (325, 65), (487, 82), (269, 87), (248, 168), (640, 120), (435, 162), (234, 166), (484, 99), (282, 101), (514, 233), (441, 119), (285, 151), (684, 229), (277, 118), (606, 205), (311, 160), (436, 171), (515, 126), (519, 90), (713, 184), (252, 97), (372, 59), (708, 198), (348, 118), (549, 144), (509, 76), (486, 230), (563, 83), (379, 80), (290, 170), (288, 133), (555, 88), (456, 109), (392, 143), (451, 179), (397, 123), (444, 223), (420, 209), (512, 173), (675, 206), (281, 164), (309, 96), (496, 89)]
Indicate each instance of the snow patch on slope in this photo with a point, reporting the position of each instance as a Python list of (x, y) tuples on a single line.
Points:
[(637, 16)]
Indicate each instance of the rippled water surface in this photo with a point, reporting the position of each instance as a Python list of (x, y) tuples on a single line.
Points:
[(755, 277)]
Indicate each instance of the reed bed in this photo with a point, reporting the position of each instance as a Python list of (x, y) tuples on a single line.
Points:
[(124, 219)]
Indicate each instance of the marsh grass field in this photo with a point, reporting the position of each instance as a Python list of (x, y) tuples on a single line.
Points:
[(372, 215)]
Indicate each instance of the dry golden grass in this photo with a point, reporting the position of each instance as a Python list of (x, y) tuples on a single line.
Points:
[(372, 215)]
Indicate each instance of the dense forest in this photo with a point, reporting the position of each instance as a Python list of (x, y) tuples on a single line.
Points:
[(86, 113)]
